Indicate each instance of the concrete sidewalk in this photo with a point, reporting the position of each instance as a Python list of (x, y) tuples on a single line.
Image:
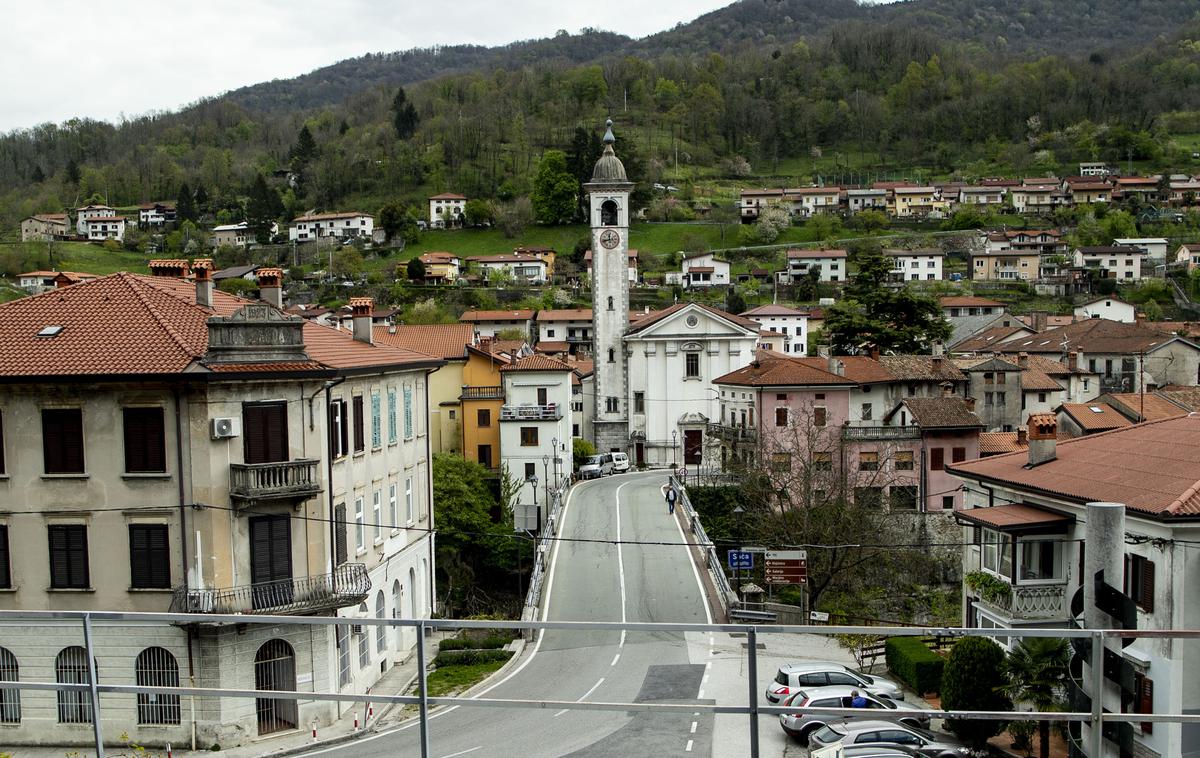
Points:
[(399, 680)]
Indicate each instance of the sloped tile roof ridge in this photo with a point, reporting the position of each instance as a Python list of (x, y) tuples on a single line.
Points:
[(167, 326)]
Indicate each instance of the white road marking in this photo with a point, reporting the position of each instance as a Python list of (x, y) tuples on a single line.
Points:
[(693, 731), (705, 679), (699, 584), (620, 557), (688, 749), (700, 693), (463, 752), (616, 658), (582, 697)]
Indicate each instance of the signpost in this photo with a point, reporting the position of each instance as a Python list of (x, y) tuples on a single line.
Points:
[(740, 559), (786, 567)]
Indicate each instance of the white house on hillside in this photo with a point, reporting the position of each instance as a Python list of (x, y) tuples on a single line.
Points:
[(1108, 308), (830, 263), (89, 212), (791, 323), (447, 209), (916, 265), (1121, 263), (341, 225), (100, 228), (705, 270)]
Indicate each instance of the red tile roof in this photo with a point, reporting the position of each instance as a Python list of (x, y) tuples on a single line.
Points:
[(1033, 380), (551, 346), (795, 253), (941, 413), (330, 216), (657, 316), (994, 443), (968, 301), (1014, 515), (773, 309), (1151, 468), (1094, 417), (1150, 406), (537, 363), (565, 314), (988, 339), (447, 196), (129, 324), (921, 368), (473, 315), (446, 341), (771, 369), (1091, 336)]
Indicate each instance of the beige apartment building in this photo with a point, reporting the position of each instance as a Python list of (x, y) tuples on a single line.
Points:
[(171, 447)]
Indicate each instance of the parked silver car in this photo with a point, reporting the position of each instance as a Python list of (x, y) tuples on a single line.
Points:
[(800, 725), (927, 743), (595, 466), (795, 676), (866, 751)]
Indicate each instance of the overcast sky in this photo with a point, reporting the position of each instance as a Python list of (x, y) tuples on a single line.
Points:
[(73, 58)]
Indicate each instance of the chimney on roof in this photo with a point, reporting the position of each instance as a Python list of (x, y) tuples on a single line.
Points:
[(938, 349), (823, 351), (360, 311), (1043, 438), (270, 286), (1023, 361), (1022, 436), (874, 352), (970, 401), (947, 389), (836, 366), (1037, 321), (935, 362), (172, 267), (202, 268)]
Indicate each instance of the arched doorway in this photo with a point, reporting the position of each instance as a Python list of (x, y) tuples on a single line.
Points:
[(412, 594), (398, 612), (275, 669)]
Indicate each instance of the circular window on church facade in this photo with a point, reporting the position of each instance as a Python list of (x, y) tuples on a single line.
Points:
[(692, 321)]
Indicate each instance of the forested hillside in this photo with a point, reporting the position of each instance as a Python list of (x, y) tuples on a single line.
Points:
[(862, 96)]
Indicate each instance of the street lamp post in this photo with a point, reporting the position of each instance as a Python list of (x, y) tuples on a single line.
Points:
[(674, 446), (554, 449), (546, 476), (738, 513), (533, 480)]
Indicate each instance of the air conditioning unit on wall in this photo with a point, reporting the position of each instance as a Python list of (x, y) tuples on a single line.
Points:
[(223, 428)]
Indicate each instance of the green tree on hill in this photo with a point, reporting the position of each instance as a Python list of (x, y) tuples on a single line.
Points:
[(554, 190), (185, 208), (404, 115)]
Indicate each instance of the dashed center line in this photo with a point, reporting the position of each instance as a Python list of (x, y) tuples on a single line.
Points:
[(688, 749), (693, 731), (616, 658)]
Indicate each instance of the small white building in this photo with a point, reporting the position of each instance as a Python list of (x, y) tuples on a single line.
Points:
[(705, 270), (44, 227), (1121, 263), (535, 426), (1093, 169), (528, 269), (981, 196), (631, 257), (88, 212), (830, 263), (236, 234), (791, 323), (100, 228), (805, 201), (572, 326), (447, 209), (754, 201), (1154, 247), (866, 199), (346, 225), (490, 323), (1108, 308), (1188, 254), (156, 214), (916, 265)]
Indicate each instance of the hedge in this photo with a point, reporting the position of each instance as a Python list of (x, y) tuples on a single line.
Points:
[(470, 657), (490, 642), (911, 661)]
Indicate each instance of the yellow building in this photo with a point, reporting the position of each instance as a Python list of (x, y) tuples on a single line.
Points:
[(480, 401), (1010, 265), (441, 268), (448, 342)]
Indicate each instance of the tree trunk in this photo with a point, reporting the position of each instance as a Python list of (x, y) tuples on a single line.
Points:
[(1044, 739)]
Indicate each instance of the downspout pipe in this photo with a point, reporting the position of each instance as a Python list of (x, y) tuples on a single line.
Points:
[(429, 500), (183, 543), (329, 469)]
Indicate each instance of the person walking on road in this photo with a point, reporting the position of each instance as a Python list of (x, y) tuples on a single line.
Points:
[(671, 497)]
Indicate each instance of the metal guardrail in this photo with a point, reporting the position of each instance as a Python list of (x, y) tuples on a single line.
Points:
[(712, 561), (542, 549), (348, 585), (283, 479)]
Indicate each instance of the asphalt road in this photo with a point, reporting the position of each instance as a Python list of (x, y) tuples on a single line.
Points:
[(593, 581)]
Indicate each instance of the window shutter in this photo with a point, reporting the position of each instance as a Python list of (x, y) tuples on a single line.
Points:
[(2, 469), (408, 416), (376, 422), (145, 443), (1145, 698), (360, 442), (62, 440), (339, 534), (392, 415), (68, 555), (937, 459), (958, 454), (5, 572), (1147, 586), (149, 556)]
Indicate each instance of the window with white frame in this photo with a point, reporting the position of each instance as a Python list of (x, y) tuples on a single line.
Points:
[(997, 552), (360, 535), (393, 515), (408, 499), (377, 514)]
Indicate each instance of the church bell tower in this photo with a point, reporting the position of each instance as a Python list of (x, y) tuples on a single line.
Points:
[(608, 195)]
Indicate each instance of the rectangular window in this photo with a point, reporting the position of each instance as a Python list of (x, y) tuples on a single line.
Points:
[(819, 416), (947, 502), (542, 396), (958, 454), (339, 534), (989, 399), (391, 395), (339, 440), (903, 497), (1143, 699), (483, 454), (611, 405), (639, 402), (2, 469), (149, 556), (868, 496), (68, 556), (529, 436), (868, 461), (393, 515), (904, 460), (781, 461), (867, 411), (62, 440), (360, 437), (483, 417), (408, 413), (145, 445), (937, 459), (408, 500), (360, 532), (376, 422), (5, 563), (530, 471), (1139, 582), (781, 417), (823, 461), (377, 514), (692, 366)]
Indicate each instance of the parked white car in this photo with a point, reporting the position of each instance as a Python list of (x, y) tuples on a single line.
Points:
[(620, 463)]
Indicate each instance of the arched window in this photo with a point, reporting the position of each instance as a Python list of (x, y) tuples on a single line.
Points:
[(610, 302), (275, 670), (612, 355), (608, 213), (10, 699), (156, 667), (381, 630), (412, 594), (364, 640), (70, 667), (398, 611)]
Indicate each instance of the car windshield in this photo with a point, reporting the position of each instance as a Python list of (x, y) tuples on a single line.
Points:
[(592, 461), (828, 735), (865, 678), (781, 678), (886, 703)]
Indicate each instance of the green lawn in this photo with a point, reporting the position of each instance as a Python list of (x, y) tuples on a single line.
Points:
[(449, 680), (77, 256)]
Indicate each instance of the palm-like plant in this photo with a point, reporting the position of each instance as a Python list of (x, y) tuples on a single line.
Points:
[(1037, 674)]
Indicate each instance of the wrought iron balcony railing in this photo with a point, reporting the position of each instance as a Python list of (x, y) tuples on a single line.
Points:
[(550, 412), (733, 433), (271, 481), (482, 393), (347, 585)]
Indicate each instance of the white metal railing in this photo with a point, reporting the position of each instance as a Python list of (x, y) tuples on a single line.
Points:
[(548, 412)]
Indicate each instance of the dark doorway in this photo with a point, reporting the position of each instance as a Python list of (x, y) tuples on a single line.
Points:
[(271, 561), (275, 669), (639, 454), (693, 445), (265, 433), (485, 456)]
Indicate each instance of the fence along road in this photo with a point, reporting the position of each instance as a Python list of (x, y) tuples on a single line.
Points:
[(593, 581)]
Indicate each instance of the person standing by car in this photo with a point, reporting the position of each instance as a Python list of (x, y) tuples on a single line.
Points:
[(857, 700), (671, 498)]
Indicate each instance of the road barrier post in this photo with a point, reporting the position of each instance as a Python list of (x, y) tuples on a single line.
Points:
[(752, 667), (95, 693), (424, 689)]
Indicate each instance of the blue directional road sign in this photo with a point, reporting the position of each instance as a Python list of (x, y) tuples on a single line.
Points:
[(741, 560)]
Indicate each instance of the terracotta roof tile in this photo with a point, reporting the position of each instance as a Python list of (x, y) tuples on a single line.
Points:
[(473, 315), (941, 413), (446, 341), (657, 316), (1010, 515), (1151, 406), (802, 254), (1091, 336), (771, 369), (537, 363), (1033, 380), (1094, 417), (988, 339), (921, 368), (551, 346), (773, 309), (994, 443), (1186, 397), (1151, 468), (565, 314), (968, 301)]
